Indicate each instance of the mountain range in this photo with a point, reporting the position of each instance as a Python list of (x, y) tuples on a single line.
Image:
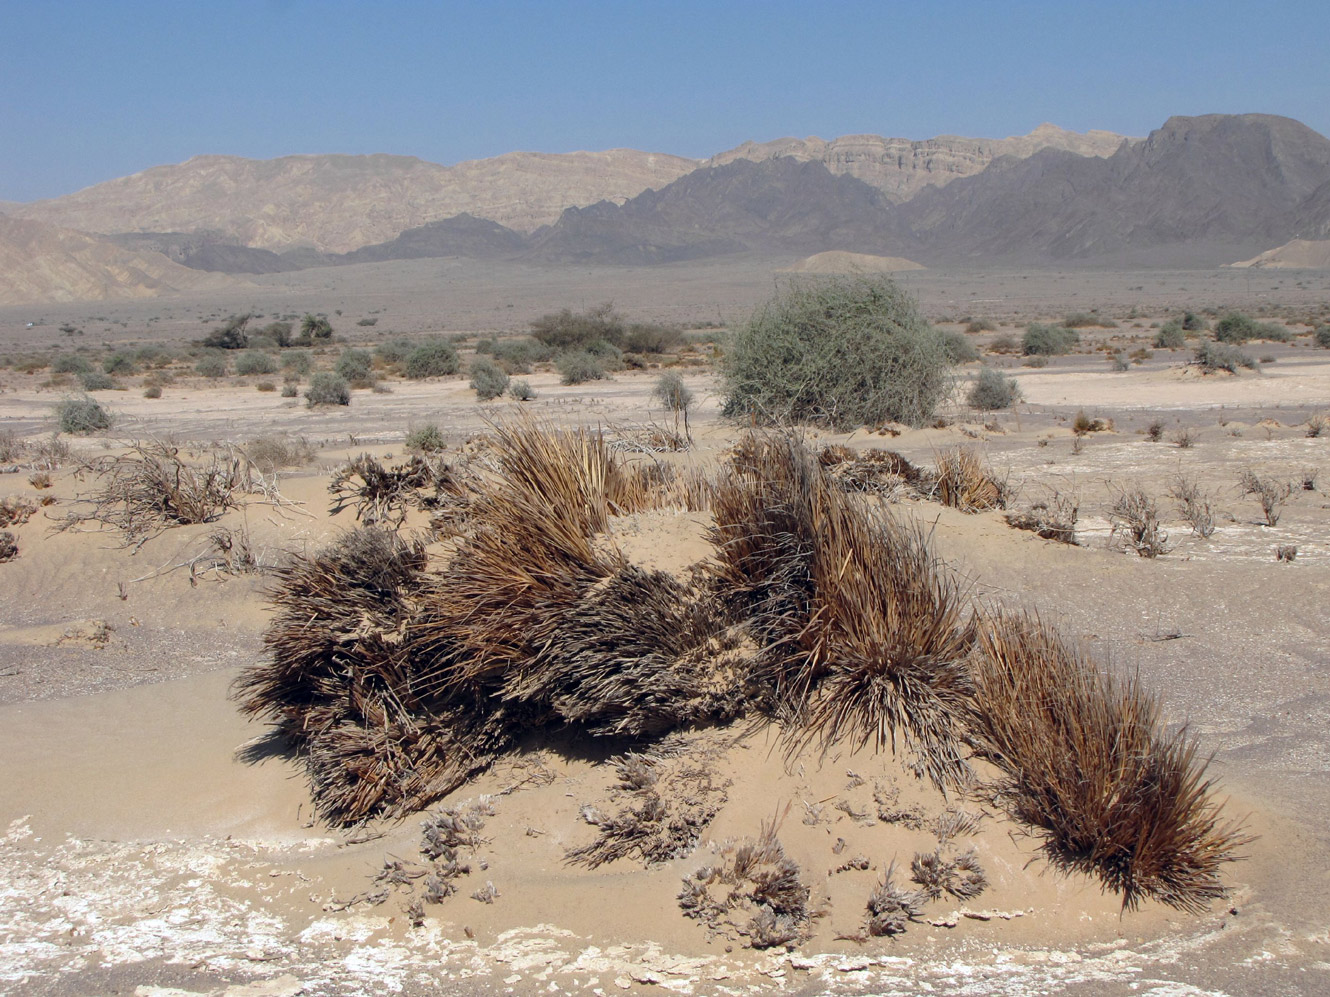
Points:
[(1198, 191)]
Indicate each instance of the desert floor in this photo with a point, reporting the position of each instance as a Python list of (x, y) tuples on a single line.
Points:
[(141, 853)]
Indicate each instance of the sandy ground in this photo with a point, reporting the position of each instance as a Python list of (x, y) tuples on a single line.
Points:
[(141, 854)]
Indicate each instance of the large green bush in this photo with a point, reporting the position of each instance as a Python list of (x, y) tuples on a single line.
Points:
[(1048, 340), (327, 388), (579, 366), (993, 390), (255, 362), (488, 379), (432, 359), (1236, 327), (357, 366), (567, 330), (843, 351)]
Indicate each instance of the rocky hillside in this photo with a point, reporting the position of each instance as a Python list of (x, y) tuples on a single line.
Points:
[(901, 167), (40, 263), (339, 203)]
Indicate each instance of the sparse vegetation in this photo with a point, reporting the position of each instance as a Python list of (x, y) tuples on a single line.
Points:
[(1171, 336), (1136, 524), (488, 379), (327, 388), (1322, 336), (1214, 356), (964, 482), (521, 391), (569, 331), (426, 439), (845, 352), (356, 367), (1270, 493), (255, 362), (212, 364), (80, 416), (1194, 505)]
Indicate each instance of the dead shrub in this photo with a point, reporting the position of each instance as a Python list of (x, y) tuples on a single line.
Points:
[(1053, 518), (40, 480), (1286, 552), (1193, 505), (1083, 424), (1315, 426), (1136, 524), (964, 482), (756, 892), (16, 511), (1270, 493), (388, 494), (1086, 761), (891, 909), (872, 471), (1155, 431), (961, 876), (1185, 438), (274, 453), (8, 546), (153, 487)]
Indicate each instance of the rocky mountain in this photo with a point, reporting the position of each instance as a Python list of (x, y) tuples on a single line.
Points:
[(901, 167), (40, 263), (340, 203), (1200, 190)]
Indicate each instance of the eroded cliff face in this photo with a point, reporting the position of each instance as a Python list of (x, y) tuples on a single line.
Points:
[(902, 167)]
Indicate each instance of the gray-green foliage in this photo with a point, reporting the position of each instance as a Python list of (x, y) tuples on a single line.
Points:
[(579, 366), (426, 439), (522, 391), (120, 362), (327, 388), (82, 415), (993, 390), (568, 330), (1236, 327), (1322, 337), (1048, 340), (1213, 356), (211, 364), (672, 393), (488, 379), (394, 351), (1171, 336), (96, 380), (255, 362), (297, 362), (435, 358), (70, 363), (355, 365), (844, 351)]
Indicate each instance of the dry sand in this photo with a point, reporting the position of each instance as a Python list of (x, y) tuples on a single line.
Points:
[(141, 855)]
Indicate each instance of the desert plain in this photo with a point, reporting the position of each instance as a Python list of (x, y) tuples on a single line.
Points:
[(154, 843)]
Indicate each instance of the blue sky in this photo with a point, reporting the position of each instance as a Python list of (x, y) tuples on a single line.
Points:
[(91, 91)]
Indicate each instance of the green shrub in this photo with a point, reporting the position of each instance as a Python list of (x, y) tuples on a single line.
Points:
[(120, 362), (1005, 343), (1191, 322), (96, 380), (1322, 337), (327, 388), (152, 391), (486, 347), (394, 351), (368, 322), (1080, 320), (516, 356), (522, 391), (672, 393), (609, 355), (567, 330), (426, 439), (266, 386), (847, 351), (959, 349), (579, 366), (211, 365), (980, 325), (255, 362), (1171, 336), (278, 332), (1212, 356), (1235, 327), (231, 336), (69, 363), (1048, 340), (993, 390), (298, 362), (435, 358), (1273, 331), (314, 328), (356, 366), (82, 415), (650, 337), (488, 379)]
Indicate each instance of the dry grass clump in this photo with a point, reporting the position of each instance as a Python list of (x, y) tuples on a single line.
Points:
[(960, 876), (1136, 524), (16, 511), (1286, 552), (153, 487), (878, 472), (1052, 519), (1193, 505), (1086, 761), (755, 892), (8, 546), (964, 482), (861, 632), (891, 909), (382, 494), (273, 453)]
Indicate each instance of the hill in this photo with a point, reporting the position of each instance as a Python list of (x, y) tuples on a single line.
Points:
[(1299, 254), (838, 261)]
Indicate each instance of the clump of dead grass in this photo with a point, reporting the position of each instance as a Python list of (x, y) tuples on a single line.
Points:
[(1086, 761), (15, 511), (387, 494), (871, 471), (1053, 518), (964, 482), (890, 908), (8, 546), (1194, 505), (1270, 493), (278, 451)]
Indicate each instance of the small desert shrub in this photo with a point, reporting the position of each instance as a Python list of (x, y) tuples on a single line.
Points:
[(651, 338), (1315, 426), (1185, 438), (435, 358), (1286, 552), (231, 336), (1054, 519), (40, 480), (1193, 505), (1191, 322), (394, 351), (152, 391), (1270, 493), (672, 393), (846, 352), (355, 366), (517, 356), (81, 416), (1119, 363), (69, 363), (211, 365), (964, 482), (980, 325), (993, 390), (958, 349), (327, 388), (96, 380), (1082, 424), (426, 439), (297, 362), (1171, 336), (265, 386), (1048, 340), (272, 453), (1081, 320), (488, 379), (12, 446), (279, 332), (579, 366), (1212, 356), (314, 328), (1136, 524), (521, 391), (289, 390), (1322, 337), (255, 362), (120, 362), (1006, 343), (1235, 327), (8, 546), (368, 322), (566, 330)]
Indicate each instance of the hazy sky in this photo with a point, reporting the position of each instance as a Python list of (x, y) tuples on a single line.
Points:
[(95, 90)]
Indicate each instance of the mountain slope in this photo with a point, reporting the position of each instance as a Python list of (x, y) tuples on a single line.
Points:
[(339, 203), (39, 263), (1201, 190)]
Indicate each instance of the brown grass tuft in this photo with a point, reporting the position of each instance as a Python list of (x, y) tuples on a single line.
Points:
[(964, 482), (1086, 762)]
